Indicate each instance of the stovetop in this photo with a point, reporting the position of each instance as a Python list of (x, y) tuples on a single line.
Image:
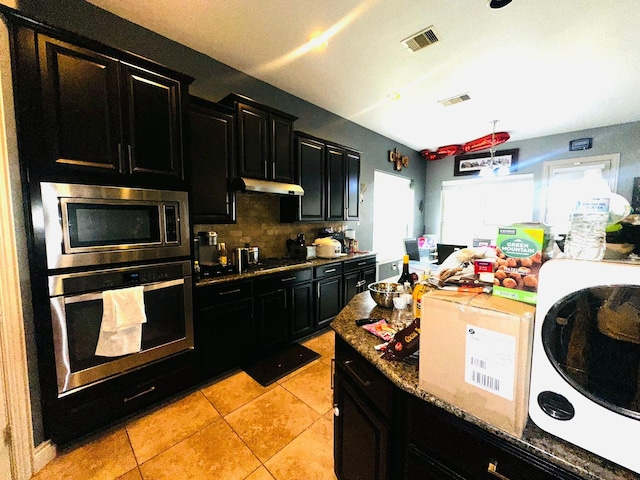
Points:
[(214, 271)]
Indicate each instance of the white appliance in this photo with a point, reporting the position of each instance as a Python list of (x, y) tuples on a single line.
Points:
[(586, 352), (328, 247)]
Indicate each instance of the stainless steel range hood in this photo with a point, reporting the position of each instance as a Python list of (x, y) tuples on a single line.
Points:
[(265, 186)]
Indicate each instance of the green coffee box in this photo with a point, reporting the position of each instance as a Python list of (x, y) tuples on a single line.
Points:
[(520, 250)]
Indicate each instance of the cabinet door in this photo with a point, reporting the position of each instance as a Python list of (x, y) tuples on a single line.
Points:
[(225, 335), (272, 318), (301, 310), (369, 277), (154, 141), (281, 150), (311, 160), (352, 285), (81, 108), (252, 141), (335, 187), (211, 142), (328, 299), (352, 202), (361, 437)]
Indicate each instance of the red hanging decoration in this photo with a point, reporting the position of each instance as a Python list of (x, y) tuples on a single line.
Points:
[(488, 141), (482, 143)]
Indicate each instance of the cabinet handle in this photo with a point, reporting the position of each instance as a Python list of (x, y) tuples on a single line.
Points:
[(333, 372), (148, 390), (330, 270), (287, 279), (362, 263), (347, 365), (492, 468), (229, 292), (360, 283)]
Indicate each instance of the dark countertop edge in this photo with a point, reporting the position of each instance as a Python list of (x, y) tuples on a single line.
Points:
[(316, 262), (405, 376)]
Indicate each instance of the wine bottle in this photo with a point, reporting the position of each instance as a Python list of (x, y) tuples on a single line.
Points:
[(406, 276)]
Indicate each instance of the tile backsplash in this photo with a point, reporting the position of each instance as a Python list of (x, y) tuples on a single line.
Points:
[(258, 224)]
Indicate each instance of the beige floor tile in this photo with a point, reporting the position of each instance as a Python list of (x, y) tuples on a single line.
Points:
[(313, 387), (214, 452), (233, 391), (329, 416), (104, 458), (260, 474), (324, 344), (170, 424), (309, 456), (131, 475), (272, 420)]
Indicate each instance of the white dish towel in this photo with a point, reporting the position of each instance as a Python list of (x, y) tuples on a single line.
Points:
[(122, 318)]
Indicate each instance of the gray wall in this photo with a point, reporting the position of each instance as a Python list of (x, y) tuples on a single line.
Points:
[(214, 80), (623, 139)]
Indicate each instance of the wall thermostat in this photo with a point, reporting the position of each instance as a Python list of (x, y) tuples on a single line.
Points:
[(580, 144)]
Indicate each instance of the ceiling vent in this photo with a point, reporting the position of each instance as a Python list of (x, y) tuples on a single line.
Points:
[(453, 100), (422, 39)]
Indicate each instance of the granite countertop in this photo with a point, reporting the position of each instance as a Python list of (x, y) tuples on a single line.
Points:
[(405, 376), (316, 262)]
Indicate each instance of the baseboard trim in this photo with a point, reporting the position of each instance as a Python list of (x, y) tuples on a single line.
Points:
[(43, 454)]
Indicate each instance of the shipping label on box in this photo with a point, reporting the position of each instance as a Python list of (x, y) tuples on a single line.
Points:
[(490, 361), (520, 252)]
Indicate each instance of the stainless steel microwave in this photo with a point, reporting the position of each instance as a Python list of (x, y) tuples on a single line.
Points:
[(91, 225)]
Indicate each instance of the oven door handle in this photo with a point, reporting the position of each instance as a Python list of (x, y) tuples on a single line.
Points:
[(88, 297)]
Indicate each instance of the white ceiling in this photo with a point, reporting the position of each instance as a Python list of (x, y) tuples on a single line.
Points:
[(539, 67)]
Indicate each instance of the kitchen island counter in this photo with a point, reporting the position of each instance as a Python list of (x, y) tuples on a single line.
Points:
[(405, 376)]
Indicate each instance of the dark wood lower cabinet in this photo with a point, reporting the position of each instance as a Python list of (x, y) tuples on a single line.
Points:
[(224, 323), (366, 414), (384, 433)]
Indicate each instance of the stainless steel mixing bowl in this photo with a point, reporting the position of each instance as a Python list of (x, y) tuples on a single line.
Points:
[(383, 293)]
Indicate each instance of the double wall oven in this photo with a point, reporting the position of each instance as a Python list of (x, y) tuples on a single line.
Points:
[(100, 240)]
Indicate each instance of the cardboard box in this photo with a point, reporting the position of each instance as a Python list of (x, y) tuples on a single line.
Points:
[(475, 353), (521, 250)]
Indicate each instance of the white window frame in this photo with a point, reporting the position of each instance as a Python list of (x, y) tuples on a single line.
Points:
[(389, 228), (483, 197)]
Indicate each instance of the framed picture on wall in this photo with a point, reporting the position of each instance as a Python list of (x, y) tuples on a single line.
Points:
[(473, 163)]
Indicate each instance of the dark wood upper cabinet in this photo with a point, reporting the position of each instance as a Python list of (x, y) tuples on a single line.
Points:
[(352, 191), (336, 183), (211, 141), (81, 106), (91, 113), (330, 176), (264, 140), (153, 122)]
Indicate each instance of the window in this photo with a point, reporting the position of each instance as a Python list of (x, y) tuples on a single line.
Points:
[(559, 180), (393, 215), (475, 208)]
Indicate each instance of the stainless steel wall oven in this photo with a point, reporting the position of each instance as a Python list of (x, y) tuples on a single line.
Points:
[(77, 307)]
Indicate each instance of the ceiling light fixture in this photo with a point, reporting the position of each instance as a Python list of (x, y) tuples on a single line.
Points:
[(498, 3)]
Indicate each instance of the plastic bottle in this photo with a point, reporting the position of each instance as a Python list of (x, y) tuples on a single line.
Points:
[(586, 239)]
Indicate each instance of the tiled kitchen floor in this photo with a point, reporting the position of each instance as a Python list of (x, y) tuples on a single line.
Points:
[(230, 429)]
